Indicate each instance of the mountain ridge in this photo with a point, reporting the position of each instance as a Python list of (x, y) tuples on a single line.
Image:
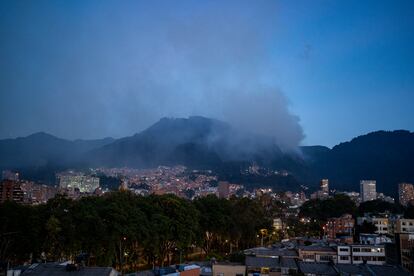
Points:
[(201, 142)]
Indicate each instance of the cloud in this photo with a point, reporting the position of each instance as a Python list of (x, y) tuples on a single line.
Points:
[(113, 68)]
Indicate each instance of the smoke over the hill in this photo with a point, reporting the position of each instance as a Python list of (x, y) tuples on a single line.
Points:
[(118, 67)]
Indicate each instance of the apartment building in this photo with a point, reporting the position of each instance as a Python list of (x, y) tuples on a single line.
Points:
[(360, 253)]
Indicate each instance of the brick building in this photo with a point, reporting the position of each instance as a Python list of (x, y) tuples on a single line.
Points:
[(342, 226), (11, 191)]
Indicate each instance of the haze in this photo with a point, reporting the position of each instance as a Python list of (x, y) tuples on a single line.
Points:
[(91, 69)]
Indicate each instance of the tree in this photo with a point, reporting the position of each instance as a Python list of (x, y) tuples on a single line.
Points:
[(321, 210), (379, 206), (364, 228), (215, 221), (120, 228), (181, 219), (53, 243), (19, 229), (409, 212), (248, 217)]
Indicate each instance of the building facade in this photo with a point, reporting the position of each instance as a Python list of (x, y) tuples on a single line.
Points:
[(373, 239), (324, 185), (405, 226), (317, 254), (405, 246), (10, 175), (229, 269), (368, 190), (381, 225), (277, 224), (405, 193), (79, 181), (360, 253), (342, 226), (223, 189), (11, 191)]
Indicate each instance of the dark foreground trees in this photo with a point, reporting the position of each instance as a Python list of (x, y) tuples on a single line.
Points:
[(233, 224), (121, 229), (321, 210)]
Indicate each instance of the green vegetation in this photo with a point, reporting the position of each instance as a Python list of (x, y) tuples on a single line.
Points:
[(379, 206), (121, 228), (318, 212), (365, 227), (321, 210)]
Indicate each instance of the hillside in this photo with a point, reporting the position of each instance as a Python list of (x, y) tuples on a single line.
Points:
[(42, 149), (194, 142), (386, 156), (198, 142)]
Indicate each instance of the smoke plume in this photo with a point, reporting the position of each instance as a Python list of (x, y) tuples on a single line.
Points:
[(94, 69)]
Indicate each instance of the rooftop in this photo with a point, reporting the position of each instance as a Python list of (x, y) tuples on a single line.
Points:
[(262, 262), (320, 248), (317, 268), (56, 269), (289, 263), (351, 269), (264, 251), (386, 270)]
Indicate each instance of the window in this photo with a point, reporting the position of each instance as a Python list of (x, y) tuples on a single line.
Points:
[(344, 258), (265, 270), (309, 257), (344, 249), (325, 258), (356, 249)]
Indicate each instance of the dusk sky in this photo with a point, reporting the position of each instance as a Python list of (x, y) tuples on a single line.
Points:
[(306, 72)]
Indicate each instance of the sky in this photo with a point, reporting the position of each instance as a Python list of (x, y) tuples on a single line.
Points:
[(305, 72)]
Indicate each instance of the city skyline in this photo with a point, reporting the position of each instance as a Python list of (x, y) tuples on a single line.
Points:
[(206, 138)]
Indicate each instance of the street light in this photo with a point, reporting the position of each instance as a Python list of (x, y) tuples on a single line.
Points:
[(121, 253), (263, 232)]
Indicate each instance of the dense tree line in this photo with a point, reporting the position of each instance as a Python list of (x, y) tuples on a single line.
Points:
[(123, 228), (378, 206), (321, 210)]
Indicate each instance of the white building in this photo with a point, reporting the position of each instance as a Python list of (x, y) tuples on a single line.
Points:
[(373, 239), (382, 225), (344, 254), (277, 224), (359, 253), (75, 180), (368, 190), (404, 226), (324, 185)]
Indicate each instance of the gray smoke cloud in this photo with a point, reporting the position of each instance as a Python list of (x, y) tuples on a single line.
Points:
[(113, 68)]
